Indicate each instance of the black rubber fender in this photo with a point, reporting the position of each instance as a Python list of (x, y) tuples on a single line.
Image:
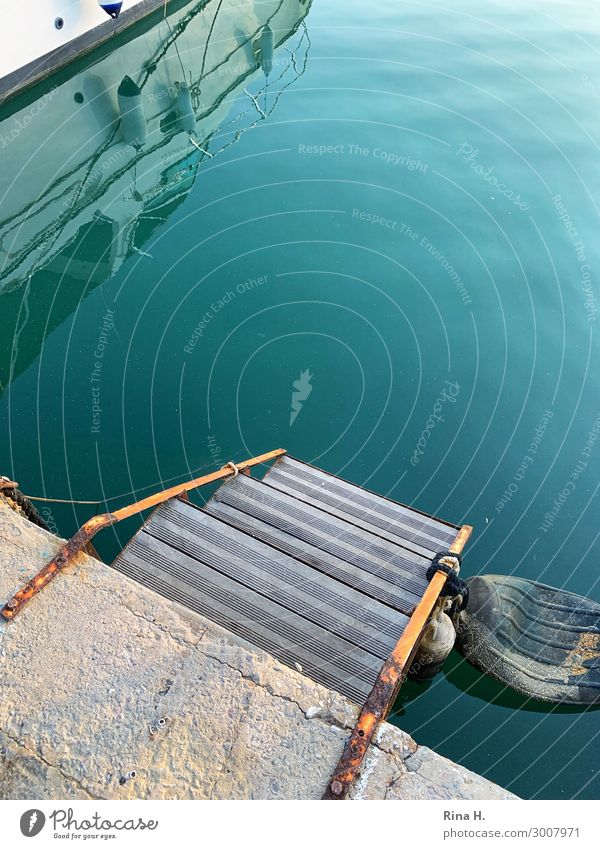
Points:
[(541, 641)]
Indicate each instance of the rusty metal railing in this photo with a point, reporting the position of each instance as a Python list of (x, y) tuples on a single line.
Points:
[(87, 531), (383, 695)]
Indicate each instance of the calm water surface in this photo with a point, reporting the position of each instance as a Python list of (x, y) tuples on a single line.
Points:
[(405, 223)]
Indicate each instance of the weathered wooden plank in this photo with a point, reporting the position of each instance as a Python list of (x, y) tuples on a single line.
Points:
[(395, 522), (291, 583), (387, 507), (279, 631), (360, 579), (405, 569), (328, 504)]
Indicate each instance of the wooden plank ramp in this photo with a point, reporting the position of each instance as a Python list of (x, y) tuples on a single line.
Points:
[(317, 571)]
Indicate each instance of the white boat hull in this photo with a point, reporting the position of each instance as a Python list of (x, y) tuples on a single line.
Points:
[(35, 34), (67, 157)]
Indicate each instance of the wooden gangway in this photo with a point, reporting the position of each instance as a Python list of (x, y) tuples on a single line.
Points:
[(318, 572), (330, 578)]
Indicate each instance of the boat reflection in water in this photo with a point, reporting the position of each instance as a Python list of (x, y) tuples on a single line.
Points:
[(92, 166)]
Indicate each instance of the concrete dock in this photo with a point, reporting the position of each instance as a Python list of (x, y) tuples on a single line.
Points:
[(109, 691)]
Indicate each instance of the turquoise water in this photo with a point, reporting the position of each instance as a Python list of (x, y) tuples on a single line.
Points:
[(409, 240)]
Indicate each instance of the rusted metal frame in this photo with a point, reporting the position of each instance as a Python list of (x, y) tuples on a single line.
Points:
[(83, 536), (383, 695)]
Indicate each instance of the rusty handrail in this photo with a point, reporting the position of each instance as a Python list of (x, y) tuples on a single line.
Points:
[(74, 545), (383, 695)]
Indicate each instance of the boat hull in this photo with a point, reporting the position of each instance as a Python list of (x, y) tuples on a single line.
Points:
[(35, 45)]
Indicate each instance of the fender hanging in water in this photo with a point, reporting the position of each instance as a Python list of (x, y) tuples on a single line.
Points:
[(434, 647), (185, 109), (111, 8), (264, 47), (133, 120), (541, 641)]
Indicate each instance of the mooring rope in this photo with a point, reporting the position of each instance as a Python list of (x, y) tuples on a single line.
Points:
[(454, 585), (21, 504), (66, 500), (98, 501)]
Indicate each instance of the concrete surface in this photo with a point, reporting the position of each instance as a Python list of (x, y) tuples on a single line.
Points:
[(93, 663)]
